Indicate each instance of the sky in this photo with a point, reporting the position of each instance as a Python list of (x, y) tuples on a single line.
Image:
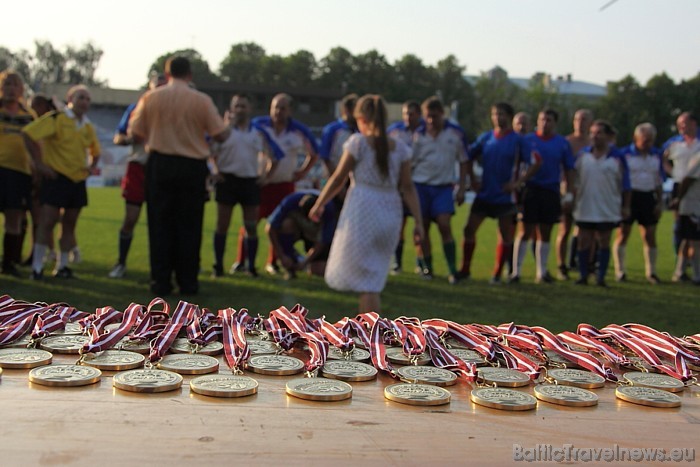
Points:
[(638, 37)]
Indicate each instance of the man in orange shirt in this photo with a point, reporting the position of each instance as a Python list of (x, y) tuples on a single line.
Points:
[(173, 122)]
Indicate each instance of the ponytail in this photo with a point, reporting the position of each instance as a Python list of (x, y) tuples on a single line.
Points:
[(373, 110)]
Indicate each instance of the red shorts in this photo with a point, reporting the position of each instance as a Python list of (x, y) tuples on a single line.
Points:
[(272, 195), (133, 183)]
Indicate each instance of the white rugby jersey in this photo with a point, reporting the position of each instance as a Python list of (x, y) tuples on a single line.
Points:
[(679, 153), (296, 140), (601, 182), (433, 160), (239, 154), (646, 170), (690, 202)]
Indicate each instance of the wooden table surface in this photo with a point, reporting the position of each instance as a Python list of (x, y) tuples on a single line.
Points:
[(100, 425)]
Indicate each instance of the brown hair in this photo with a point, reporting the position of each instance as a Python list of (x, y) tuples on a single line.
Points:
[(372, 109)]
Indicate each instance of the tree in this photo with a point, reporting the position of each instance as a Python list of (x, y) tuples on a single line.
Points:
[(15, 61), (663, 105), (336, 70), (372, 73), (244, 64), (491, 87), (623, 105), (412, 80), (299, 69), (201, 73), (454, 89), (80, 65)]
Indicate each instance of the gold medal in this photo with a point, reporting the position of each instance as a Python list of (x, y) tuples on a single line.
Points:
[(469, 356), (319, 389), (427, 375), (638, 363), (504, 377), (557, 361), (71, 329), (224, 385), (64, 375), (67, 344), (24, 358), (653, 380), (396, 355), (565, 395), (147, 380), (22, 342), (348, 370), (358, 355), (262, 347), (503, 399), (142, 347), (189, 364), (577, 378), (114, 360), (182, 345), (417, 394), (275, 365), (650, 397)]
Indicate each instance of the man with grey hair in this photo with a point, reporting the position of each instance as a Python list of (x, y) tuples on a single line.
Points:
[(646, 177)]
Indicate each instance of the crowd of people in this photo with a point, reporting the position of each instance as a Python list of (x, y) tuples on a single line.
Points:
[(378, 175)]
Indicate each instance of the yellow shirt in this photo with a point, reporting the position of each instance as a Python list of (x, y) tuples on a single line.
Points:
[(175, 119), (13, 152), (66, 143)]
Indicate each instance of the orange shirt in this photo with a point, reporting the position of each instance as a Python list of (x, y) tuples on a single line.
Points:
[(174, 119)]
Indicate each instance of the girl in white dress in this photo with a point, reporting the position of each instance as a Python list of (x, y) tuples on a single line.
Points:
[(370, 221)]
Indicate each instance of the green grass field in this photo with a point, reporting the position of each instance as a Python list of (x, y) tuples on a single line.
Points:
[(561, 306)]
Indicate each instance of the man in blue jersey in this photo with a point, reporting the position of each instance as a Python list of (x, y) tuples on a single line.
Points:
[(133, 182), (499, 152), (336, 133), (290, 222), (541, 199), (602, 199), (437, 148), (646, 177), (405, 131)]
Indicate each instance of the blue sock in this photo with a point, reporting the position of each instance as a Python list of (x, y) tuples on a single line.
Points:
[(603, 261), (583, 257), (251, 244)]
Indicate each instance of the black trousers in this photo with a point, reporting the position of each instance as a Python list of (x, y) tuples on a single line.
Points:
[(175, 197)]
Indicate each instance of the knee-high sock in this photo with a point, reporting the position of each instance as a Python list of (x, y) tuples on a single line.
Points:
[(603, 262), (542, 254), (649, 260), (240, 251), (398, 254), (619, 259), (467, 253), (251, 244), (519, 253), (583, 256), (12, 249), (124, 246), (504, 251), (573, 254), (451, 256), (219, 249)]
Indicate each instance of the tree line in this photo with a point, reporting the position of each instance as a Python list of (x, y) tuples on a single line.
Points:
[(626, 103)]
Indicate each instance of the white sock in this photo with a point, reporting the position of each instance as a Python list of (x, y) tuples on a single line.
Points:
[(38, 257), (542, 255), (519, 253), (62, 260), (619, 259), (650, 260)]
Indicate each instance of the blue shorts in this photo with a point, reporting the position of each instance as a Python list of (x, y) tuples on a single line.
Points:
[(435, 200)]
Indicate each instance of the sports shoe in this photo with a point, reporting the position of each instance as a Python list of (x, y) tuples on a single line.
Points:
[(563, 273), (601, 283), (495, 280), (117, 271), (217, 271), (237, 267), (621, 277), (395, 270), (452, 279), (10, 270), (581, 281), (74, 256), (514, 280), (272, 269), (682, 278), (545, 279), (426, 274), (463, 276), (64, 273), (653, 279), (252, 272), (37, 275)]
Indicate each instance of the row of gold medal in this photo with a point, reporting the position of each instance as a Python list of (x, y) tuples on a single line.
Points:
[(423, 385)]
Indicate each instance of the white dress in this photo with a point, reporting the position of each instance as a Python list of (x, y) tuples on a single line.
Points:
[(370, 222)]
